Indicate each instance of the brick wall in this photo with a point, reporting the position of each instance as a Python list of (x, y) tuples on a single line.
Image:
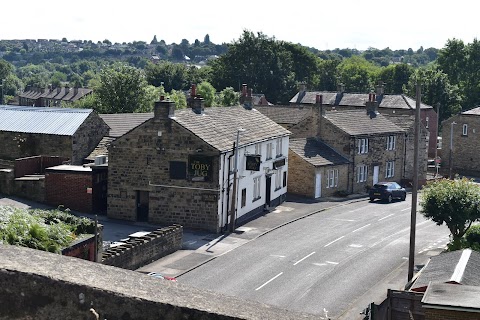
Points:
[(139, 251), (438, 314), (69, 190), (35, 287), (87, 137), (140, 160)]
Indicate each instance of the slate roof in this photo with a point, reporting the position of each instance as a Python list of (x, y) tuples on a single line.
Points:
[(316, 152), (218, 126), (121, 123), (101, 148), (448, 295), (475, 112), (285, 114), (461, 266), (56, 121), (55, 94), (357, 122), (404, 121), (390, 101)]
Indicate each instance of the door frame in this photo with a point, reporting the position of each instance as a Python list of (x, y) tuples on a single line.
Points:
[(318, 185), (377, 169)]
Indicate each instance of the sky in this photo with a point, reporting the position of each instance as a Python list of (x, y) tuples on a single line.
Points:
[(356, 24)]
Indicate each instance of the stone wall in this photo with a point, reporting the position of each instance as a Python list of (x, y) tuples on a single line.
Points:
[(41, 285), (69, 190), (139, 251), (15, 145), (87, 137), (465, 147), (140, 161), (31, 188)]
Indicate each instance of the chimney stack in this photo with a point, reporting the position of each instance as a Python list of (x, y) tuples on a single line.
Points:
[(59, 89), (371, 104), (164, 109), (380, 88), (248, 101), (198, 105), (340, 88), (318, 115), (67, 90)]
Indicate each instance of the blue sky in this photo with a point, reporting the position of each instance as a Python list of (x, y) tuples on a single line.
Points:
[(320, 24)]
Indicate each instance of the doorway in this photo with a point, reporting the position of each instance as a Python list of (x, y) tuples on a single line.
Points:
[(318, 185), (376, 170), (142, 205), (268, 187)]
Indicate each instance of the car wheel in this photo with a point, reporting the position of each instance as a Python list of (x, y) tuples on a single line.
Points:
[(371, 199), (389, 199), (404, 197)]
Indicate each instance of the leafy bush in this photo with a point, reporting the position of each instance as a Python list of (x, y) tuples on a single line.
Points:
[(473, 234)]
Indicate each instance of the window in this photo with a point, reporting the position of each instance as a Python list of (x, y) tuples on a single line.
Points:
[(465, 129), (426, 122), (279, 147), (285, 179), (362, 145), (256, 188), (362, 172), (232, 163), (258, 148), (391, 142), (278, 179), (244, 197), (390, 169), (332, 178), (269, 150), (178, 170)]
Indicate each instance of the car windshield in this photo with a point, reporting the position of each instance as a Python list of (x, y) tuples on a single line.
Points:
[(380, 186)]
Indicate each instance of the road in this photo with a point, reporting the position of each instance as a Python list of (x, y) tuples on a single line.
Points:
[(334, 260)]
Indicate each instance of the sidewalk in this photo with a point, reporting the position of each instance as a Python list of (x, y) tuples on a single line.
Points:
[(200, 247)]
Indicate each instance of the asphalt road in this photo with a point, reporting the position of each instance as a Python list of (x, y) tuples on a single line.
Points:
[(336, 260)]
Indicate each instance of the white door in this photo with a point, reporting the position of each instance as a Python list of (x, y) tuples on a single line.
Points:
[(376, 170), (318, 185)]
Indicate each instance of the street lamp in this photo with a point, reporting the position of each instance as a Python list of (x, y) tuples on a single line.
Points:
[(451, 148), (235, 177)]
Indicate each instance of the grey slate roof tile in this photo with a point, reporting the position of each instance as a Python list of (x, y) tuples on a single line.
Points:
[(218, 126), (316, 152), (285, 114), (475, 111), (357, 122), (121, 123)]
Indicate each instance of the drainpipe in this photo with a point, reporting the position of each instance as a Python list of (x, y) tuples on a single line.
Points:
[(228, 186), (223, 192), (353, 164)]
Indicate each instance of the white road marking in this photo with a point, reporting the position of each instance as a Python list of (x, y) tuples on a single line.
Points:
[(331, 262), (346, 220), (361, 208), (361, 228), (386, 217), (333, 241), (406, 209), (263, 285), (319, 264), (355, 245), (277, 256), (303, 258)]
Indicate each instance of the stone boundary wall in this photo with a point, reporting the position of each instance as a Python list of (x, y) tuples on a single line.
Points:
[(139, 251), (41, 285)]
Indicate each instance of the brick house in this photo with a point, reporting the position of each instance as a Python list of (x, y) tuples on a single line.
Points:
[(464, 136), (177, 167), (51, 97), (394, 104), (62, 132)]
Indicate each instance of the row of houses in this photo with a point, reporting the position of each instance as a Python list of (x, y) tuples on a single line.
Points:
[(178, 166)]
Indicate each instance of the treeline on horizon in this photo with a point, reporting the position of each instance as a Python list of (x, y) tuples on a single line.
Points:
[(269, 66)]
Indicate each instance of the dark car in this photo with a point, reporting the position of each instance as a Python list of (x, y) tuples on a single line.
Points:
[(387, 191)]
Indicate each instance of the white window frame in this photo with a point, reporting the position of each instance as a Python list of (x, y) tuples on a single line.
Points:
[(332, 178), (257, 184), (391, 142), (278, 179), (362, 146), (362, 173), (269, 150), (426, 122), (465, 129), (390, 169), (279, 147)]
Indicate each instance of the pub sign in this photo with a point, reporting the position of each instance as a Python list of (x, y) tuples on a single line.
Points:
[(253, 163), (200, 168)]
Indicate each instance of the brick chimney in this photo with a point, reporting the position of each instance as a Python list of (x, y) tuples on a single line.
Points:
[(371, 105), (248, 102), (67, 90), (193, 94), (380, 89), (164, 109), (198, 104), (243, 95)]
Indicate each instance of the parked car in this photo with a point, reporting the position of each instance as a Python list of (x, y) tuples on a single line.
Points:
[(387, 191)]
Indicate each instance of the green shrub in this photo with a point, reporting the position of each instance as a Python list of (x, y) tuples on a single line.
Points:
[(473, 234)]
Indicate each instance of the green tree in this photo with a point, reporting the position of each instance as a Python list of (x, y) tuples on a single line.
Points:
[(207, 91), (5, 69), (357, 74), (121, 90), (452, 60), (228, 97), (168, 74), (453, 202), (395, 77)]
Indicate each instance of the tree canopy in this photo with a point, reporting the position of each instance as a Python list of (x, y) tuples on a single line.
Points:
[(453, 202)]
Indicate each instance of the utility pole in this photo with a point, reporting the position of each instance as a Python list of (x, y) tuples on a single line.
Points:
[(450, 161), (233, 209), (436, 142), (413, 214)]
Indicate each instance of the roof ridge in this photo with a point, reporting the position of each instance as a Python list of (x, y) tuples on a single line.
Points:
[(461, 265)]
